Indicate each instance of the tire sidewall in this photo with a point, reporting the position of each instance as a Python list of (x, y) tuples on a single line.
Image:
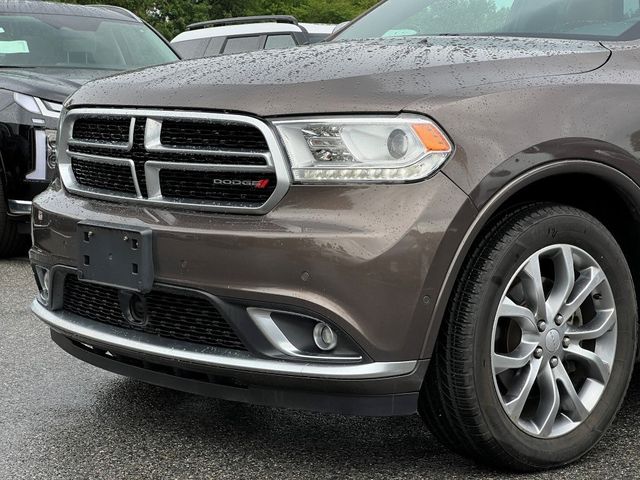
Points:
[(588, 234)]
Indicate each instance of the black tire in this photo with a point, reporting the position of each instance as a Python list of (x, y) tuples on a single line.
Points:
[(12, 243), (459, 401)]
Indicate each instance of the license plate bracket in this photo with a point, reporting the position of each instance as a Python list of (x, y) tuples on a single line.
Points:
[(117, 257)]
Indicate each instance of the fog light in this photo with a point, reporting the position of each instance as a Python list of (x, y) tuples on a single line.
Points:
[(324, 337)]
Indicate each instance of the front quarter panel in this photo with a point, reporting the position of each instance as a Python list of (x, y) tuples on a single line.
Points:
[(507, 137), (502, 130)]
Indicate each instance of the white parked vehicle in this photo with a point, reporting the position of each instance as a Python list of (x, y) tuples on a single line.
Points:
[(247, 34)]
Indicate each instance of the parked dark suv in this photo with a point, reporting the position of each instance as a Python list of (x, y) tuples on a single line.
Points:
[(433, 212), (47, 50)]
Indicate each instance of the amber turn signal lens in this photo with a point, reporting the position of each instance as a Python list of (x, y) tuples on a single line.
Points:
[(432, 138)]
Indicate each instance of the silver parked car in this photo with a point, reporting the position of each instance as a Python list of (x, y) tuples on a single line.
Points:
[(247, 34)]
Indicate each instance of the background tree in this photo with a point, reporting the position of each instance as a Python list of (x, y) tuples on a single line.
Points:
[(318, 11), (458, 16)]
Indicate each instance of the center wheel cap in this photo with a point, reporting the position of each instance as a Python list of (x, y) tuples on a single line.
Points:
[(553, 341)]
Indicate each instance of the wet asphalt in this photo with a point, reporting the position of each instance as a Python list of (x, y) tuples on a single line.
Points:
[(62, 419)]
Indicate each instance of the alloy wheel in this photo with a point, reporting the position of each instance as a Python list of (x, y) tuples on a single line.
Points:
[(554, 341)]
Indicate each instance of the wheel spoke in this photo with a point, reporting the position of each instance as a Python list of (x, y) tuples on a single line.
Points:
[(522, 315), (562, 283), (597, 368), (516, 359), (519, 393), (532, 284), (549, 401), (603, 322), (589, 279), (574, 405)]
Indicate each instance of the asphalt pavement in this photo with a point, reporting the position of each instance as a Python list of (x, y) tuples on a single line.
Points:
[(62, 419)]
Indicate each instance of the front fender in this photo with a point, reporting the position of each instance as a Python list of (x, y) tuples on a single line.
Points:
[(491, 195)]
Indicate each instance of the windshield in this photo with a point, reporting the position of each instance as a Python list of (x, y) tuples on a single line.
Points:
[(28, 40), (588, 19)]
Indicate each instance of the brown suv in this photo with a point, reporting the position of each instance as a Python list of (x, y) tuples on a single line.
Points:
[(435, 211)]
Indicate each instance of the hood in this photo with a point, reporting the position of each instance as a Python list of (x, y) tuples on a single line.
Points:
[(54, 84), (358, 76)]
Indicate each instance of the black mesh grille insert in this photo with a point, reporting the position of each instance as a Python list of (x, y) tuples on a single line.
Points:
[(103, 175), (170, 315), (102, 130), (214, 136), (240, 187)]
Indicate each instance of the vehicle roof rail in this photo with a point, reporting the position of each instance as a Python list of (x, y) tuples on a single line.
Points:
[(122, 10), (242, 20)]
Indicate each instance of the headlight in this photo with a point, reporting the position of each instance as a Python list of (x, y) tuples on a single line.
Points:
[(45, 155), (364, 149), (37, 105), (52, 153)]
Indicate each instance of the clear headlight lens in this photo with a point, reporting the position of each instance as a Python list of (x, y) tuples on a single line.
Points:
[(37, 105), (52, 148), (364, 149)]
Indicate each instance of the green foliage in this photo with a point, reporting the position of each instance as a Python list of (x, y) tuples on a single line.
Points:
[(458, 16), (318, 11), (171, 17)]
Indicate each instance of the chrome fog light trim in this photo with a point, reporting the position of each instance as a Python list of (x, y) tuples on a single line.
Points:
[(276, 337), (43, 277)]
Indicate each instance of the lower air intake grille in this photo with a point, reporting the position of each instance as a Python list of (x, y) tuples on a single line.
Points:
[(170, 315)]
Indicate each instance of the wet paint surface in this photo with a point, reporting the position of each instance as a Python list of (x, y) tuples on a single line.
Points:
[(342, 76)]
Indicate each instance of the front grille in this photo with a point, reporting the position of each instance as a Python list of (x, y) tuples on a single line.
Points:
[(232, 149), (103, 175), (102, 130), (141, 156), (170, 315), (198, 185)]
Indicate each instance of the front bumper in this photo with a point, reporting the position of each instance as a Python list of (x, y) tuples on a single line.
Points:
[(83, 330), (346, 389), (365, 260)]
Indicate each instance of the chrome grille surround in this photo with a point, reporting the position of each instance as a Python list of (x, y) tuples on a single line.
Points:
[(274, 160)]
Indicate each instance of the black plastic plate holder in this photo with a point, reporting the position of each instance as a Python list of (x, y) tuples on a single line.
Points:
[(116, 257)]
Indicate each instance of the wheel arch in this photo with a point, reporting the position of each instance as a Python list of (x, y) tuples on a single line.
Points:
[(618, 208)]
